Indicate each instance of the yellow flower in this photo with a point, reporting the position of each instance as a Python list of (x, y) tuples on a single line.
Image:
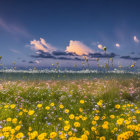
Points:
[(93, 128), (100, 103), (112, 116), (30, 129), (19, 135), (82, 101), (66, 122), (96, 118), (94, 122), (60, 118), (20, 113), (105, 126), (71, 116), (97, 111), (132, 66), (31, 112), (76, 118), (103, 117), (134, 117), (81, 109), (70, 133), (66, 128), (86, 132), (14, 120), (84, 118), (52, 104), (47, 108), (127, 121), (12, 131), (117, 106), (77, 124), (17, 128), (106, 122), (137, 111), (8, 119), (53, 135), (6, 106), (66, 111), (84, 137), (61, 106), (12, 106), (39, 105), (102, 138), (6, 134), (25, 110), (120, 121), (115, 129)]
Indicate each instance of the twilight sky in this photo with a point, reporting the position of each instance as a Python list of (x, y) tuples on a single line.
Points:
[(42, 32)]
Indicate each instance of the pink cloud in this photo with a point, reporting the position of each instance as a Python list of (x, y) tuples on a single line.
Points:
[(100, 46), (136, 39), (117, 45), (13, 29), (41, 45), (78, 47)]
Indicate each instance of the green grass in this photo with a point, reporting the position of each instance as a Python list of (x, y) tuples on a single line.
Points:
[(100, 98)]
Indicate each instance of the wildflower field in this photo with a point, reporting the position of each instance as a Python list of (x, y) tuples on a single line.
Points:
[(96, 109)]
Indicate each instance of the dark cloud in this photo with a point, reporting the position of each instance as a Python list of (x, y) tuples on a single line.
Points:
[(43, 55), (130, 58), (132, 53), (61, 55), (57, 53), (100, 55), (23, 60), (31, 62)]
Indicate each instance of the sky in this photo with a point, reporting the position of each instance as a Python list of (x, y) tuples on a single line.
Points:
[(43, 32)]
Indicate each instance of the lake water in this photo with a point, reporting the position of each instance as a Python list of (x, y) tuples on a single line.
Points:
[(65, 75)]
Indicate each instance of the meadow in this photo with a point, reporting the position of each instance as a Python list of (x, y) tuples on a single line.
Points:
[(98, 109)]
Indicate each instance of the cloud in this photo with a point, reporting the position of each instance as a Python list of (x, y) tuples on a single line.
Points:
[(13, 29), (100, 46), (130, 58), (37, 61), (132, 53), (43, 54), (14, 51), (31, 62), (47, 45), (100, 55), (117, 45), (41, 45), (56, 55), (136, 39), (78, 48), (23, 61)]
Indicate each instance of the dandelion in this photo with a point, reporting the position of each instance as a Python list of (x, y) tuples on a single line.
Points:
[(66, 110), (82, 101), (47, 108), (19, 135), (53, 135), (117, 106), (31, 112), (71, 116), (96, 118), (52, 104), (39, 105), (12, 106), (77, 124), (61, 106)]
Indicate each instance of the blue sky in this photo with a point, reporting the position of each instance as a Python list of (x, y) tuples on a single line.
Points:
[(69, 30)]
